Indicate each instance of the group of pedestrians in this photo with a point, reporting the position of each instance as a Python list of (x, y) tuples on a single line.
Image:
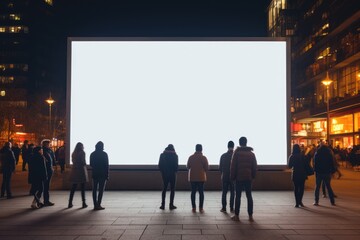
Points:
[(324, 167), (238, 169)]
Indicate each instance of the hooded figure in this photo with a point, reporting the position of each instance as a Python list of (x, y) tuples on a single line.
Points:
[(168, 165)]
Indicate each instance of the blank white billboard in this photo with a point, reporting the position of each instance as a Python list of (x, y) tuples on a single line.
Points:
[(138, 96)]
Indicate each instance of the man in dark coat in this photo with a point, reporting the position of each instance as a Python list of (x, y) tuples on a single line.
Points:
[(323, 168), (16, 150), (227, 183), (50, 161), (168, 165), (99, 163), (37, 175), (8, 167), (243, 171)]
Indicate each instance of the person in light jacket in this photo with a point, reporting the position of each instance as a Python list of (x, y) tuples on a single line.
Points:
[(198, 166), (78, 173), (243, 171)]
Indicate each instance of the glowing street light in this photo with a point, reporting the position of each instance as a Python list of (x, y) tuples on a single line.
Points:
[(327, 81), (50, 101)]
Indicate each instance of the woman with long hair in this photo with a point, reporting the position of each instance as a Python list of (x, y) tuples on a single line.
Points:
[(78, 173), (299, 166)]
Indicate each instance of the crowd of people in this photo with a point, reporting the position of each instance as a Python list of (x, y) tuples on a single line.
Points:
[(238, 167)]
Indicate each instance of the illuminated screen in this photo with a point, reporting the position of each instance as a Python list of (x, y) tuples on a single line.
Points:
[(138, 96)]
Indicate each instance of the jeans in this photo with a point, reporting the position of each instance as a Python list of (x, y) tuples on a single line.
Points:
[(323, 177), (299, 187), (98, 184), (226, 185), (46, 188), (72, 191), (36, 189), (168, 179), (200, 187), (240, 185)]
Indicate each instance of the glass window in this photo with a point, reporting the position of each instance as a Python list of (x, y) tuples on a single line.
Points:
[(343, 124)]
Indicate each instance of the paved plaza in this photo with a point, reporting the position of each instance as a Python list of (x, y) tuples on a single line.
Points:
[(136, 215)]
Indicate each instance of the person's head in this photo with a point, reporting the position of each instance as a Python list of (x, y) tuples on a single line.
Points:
[(38, 150), (170, 147), (99, 145), (45, 143), (79, 147), (243, 141), (296, 149), (26, 142), (230, 145), (198, 148), (7, 145), (16, 145)]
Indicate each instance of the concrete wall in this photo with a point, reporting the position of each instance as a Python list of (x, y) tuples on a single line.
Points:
[(151, 180)]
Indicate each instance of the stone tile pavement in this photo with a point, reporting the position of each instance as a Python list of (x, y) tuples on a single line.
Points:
[(136, 215)]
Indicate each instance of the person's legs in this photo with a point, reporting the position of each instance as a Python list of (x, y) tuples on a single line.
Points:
[(323, 189), (296, 193), (250, 203), (3, 185), (102, 184), (201, 195), (94, 191), (224, 193), (301, 192), (163, 194), (239, 187), (172, 190), (46, 190), (232, 195), (194, 186), (318, 180), (327, 179), (72, 191), (84, 205)]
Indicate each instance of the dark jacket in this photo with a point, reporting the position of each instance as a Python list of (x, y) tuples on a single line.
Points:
[(224, 165), (37, 168), (25, 152), (324, 161), (50, 159), (99, 163), (299, 165), (168, 163), (243, 164), (79, 172), (7, 159)]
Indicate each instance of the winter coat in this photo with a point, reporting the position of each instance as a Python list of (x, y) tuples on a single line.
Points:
[(50, 159), (37, 168), (224, 165), (79, 172), (99, 163), (168, 163), (198, 166), (243, 164), (324, 161), (7, 160), (299, 165)]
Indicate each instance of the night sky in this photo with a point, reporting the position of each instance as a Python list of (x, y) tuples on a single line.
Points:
[(147, 18)]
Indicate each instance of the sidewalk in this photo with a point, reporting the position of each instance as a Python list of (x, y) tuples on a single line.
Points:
[(136, 215)]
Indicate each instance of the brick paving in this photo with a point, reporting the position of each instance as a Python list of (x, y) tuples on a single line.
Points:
[(136, 215)]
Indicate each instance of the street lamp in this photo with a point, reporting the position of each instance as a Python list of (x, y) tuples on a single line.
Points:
[(50, 101), (327, 81)]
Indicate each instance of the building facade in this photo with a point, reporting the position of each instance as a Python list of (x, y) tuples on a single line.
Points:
[(26, 34), (325, 42)]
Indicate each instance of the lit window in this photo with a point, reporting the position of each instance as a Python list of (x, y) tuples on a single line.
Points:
[(2, 29), (2, 93), (50, 2), (14, 17)]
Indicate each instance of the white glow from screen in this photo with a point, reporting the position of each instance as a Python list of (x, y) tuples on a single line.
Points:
[(139, 96)]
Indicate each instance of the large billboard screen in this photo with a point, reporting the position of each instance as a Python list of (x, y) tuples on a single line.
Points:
[(139, 95)]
